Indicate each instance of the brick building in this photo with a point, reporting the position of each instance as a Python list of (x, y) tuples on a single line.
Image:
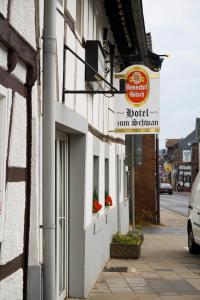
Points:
[(145, 182), (195, 150), (177, 162)]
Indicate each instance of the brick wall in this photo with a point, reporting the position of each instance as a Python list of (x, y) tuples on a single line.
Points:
[(195, 160), (145, 183)]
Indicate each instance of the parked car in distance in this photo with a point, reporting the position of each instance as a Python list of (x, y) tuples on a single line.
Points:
[(193, 224), (166, 188)]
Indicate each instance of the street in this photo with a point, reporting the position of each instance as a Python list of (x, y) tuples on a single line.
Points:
[(177, 203)]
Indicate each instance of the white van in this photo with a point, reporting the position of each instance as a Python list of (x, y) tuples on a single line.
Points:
[(193, 225)]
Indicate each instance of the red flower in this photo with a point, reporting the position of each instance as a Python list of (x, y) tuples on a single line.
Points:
[(96, 206), (108, 201)]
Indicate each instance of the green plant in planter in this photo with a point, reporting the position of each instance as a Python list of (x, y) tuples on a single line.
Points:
[(134, 237)]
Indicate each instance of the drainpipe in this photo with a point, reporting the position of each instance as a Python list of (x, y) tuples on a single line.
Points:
[(133, 181), (157, 181), (49, 97)]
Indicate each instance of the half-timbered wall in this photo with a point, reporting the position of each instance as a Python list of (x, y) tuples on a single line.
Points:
[(17, 76)]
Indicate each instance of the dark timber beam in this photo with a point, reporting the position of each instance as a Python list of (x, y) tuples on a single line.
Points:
[(12, 60), (11, 267), (14, 42), (9, 81), (16, 174)]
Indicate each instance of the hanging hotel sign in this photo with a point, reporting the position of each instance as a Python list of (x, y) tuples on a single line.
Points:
[(137, 111)]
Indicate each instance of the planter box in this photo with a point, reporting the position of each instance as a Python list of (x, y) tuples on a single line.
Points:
[(124, 250)]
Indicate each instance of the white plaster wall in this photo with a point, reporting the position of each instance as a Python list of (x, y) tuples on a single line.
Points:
[(85, 20), (17, 157), (11, 288), (35, 181), (12, 244), (60, 47), (81, 99), (90, 21), (121, 196), (71, 6), (120, 151), (106, 117), (6, 101), (7, 93), (34, 215), (96, 116), (3, 56), (94, 108), (70, 69), (101, 112), (102, 176), (20, 72), (3, 7), (112, 173), (110, 123), (98, 242), (9, 104), (90, 109), (111, 115), (88, 179), (23, 13), (112, 176)]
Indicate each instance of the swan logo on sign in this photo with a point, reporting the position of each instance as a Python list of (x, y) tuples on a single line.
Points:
[(137, 86)]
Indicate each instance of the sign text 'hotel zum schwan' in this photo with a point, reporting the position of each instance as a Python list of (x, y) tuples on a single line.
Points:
[(138, 110)]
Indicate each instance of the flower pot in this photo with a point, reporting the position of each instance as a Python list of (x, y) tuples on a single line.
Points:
[(118, 250)]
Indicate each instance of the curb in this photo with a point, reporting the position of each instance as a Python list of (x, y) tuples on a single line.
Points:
[(173, 213), (182, 193)]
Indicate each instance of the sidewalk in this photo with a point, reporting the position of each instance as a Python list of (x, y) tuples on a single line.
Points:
[(164, 271)]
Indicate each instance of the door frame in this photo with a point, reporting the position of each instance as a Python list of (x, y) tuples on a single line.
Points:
[(62, 137)]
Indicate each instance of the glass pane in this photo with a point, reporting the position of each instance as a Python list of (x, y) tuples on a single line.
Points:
[(107, 175), (62, 224), (61, 255), (61, 199), (61, 181)]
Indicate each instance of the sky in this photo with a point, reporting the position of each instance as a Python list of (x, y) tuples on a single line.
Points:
[(174, 27)]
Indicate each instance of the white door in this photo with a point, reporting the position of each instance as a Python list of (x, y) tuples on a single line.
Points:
[(61, 152)]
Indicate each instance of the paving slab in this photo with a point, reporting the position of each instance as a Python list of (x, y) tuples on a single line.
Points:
[(165, 270)]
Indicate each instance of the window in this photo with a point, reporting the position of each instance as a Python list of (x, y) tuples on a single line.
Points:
[(107, 176), (96, 174), (3, 111), (79, 16)]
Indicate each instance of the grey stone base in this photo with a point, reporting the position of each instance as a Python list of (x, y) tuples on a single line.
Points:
[(34, 283)]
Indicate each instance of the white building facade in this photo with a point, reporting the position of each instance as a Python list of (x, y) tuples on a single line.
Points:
[(89, 158), (59, 150)]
